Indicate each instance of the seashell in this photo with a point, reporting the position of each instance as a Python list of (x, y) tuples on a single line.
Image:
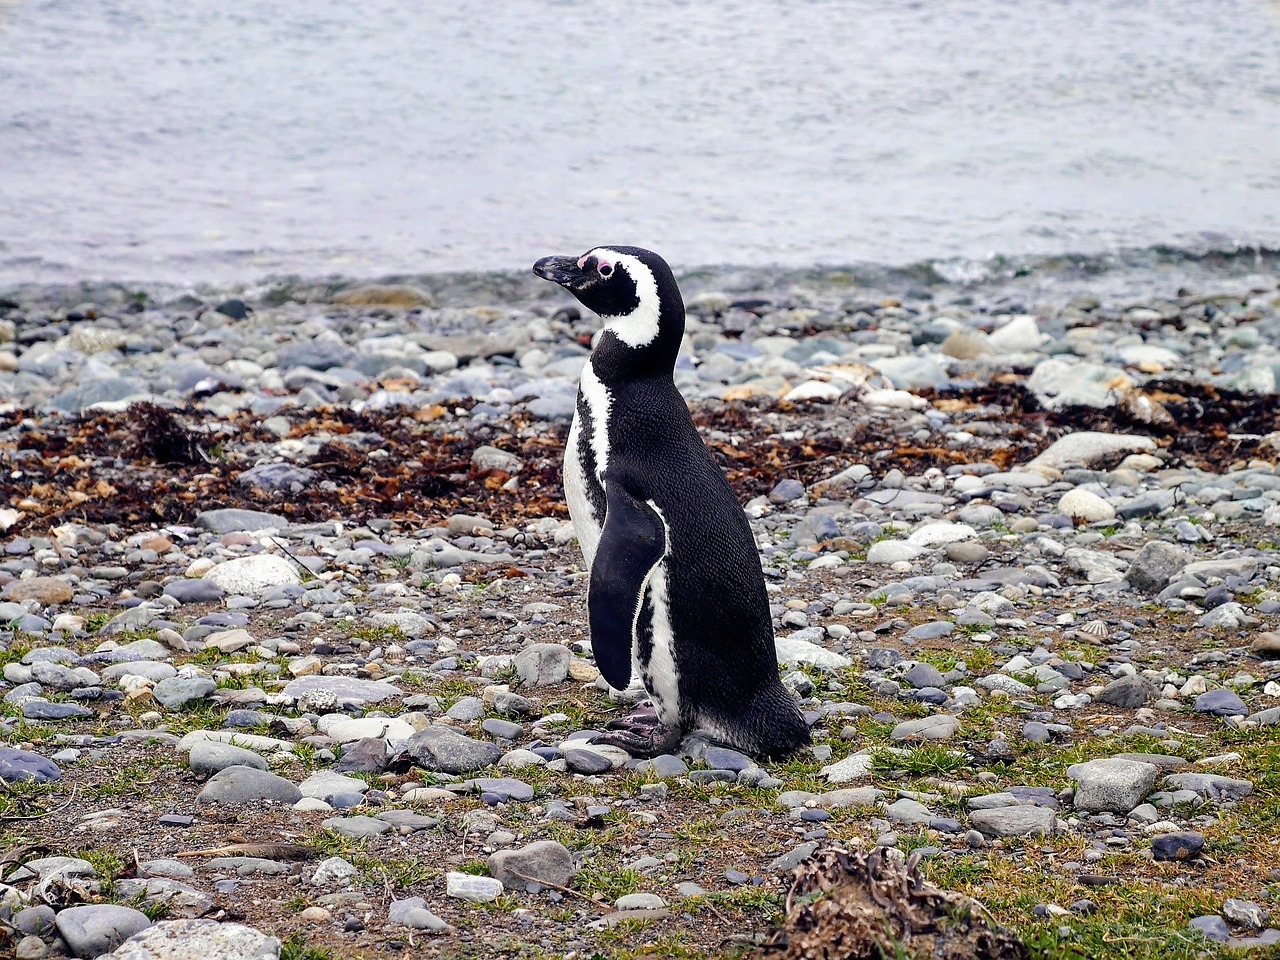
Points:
[(1096, 628)]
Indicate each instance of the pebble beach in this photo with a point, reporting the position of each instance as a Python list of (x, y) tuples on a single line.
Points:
[(296, 660)]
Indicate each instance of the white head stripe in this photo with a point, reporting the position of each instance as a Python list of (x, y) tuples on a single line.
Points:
[(639, 327)]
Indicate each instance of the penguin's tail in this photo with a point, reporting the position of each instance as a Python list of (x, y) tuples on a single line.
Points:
[(771, 725)]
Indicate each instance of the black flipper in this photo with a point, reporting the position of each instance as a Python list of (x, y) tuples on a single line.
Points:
[(633, 542)]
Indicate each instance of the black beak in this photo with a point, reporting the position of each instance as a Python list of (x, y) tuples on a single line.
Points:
[(561, 270)]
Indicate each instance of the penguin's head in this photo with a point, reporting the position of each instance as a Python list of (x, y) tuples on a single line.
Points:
[(632, 289)]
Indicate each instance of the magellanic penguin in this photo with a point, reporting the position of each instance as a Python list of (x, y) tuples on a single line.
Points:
[(676, 594)]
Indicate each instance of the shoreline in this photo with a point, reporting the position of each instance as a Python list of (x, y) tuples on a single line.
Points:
[(299, 575)]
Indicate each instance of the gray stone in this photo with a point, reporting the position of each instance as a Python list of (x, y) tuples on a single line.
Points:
[(99, 928), (924, 675), (177, 693), (543, 664), (792, 859), (45, 710), (1221, 703), (544, 861), (231, 520), (1111, 785), (358, 827), (580, 760), (1087, 449), (194, 591), (242, 785), (941, 726), (412, 912), (198, 940), (367, 755), (352, 690), (18, 765), (1128, 693), (276, 476), (1245, 913), (1155, 565), (446, 750), (1211, 786), (1212, 927), (178, 899), (1020, 821), (209, 757), (908, 811)]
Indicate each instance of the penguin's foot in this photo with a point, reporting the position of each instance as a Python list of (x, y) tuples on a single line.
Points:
[(641, 733)]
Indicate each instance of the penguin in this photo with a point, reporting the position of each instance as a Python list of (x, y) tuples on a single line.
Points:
[(676, 596)]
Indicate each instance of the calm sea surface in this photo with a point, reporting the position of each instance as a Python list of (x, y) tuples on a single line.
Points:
[(221, 141)]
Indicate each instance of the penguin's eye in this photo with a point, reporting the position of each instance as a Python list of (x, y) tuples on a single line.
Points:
[(605, 269)]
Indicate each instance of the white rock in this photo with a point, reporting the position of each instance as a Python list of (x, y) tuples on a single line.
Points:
[(1060, 383), (940, 534), (852, 767), (893, 551), (348, 729), (253, 576), (813, 390), (197, 940), (1085, 505), (1020, 335), (892, 399), (1086, 448), (792, 651), (465, 886)]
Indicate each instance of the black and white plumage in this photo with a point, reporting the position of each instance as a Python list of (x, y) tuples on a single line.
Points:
[(676, 596)]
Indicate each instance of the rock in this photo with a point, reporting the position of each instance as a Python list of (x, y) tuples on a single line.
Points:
[(46, 591), (853, 767), (1177, 846), (363, 756), (99, 928), (401, 295), (1087, 506), (640, 901), (198, 940), (1111, 785), (233, 308), (1266, 645), (1155, 565), (485, 459), (908, 811), (1016, 821), (236, 786), (1088, 449), (544, 861), (942, 726), (18, 765), (588, 762), (1245, 913), (1096, 567), (232, 520), (893, 551), (1128, 693), (464, 886), (253, 576), (178, 693), (340, 690), (1212, 927), (178, 899), (1020, 335), (412, 912), (209, 757), (1060, 383), (941, 534), (359, 827), (446, 750), (1211, 786), (1221, 703), (792, 651), (543, 664)]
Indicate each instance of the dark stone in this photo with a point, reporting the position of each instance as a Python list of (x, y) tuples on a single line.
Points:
[(1177, 846), (363, 756), (235, 309), (1221, 703), (23, 765), (1128, 693)]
